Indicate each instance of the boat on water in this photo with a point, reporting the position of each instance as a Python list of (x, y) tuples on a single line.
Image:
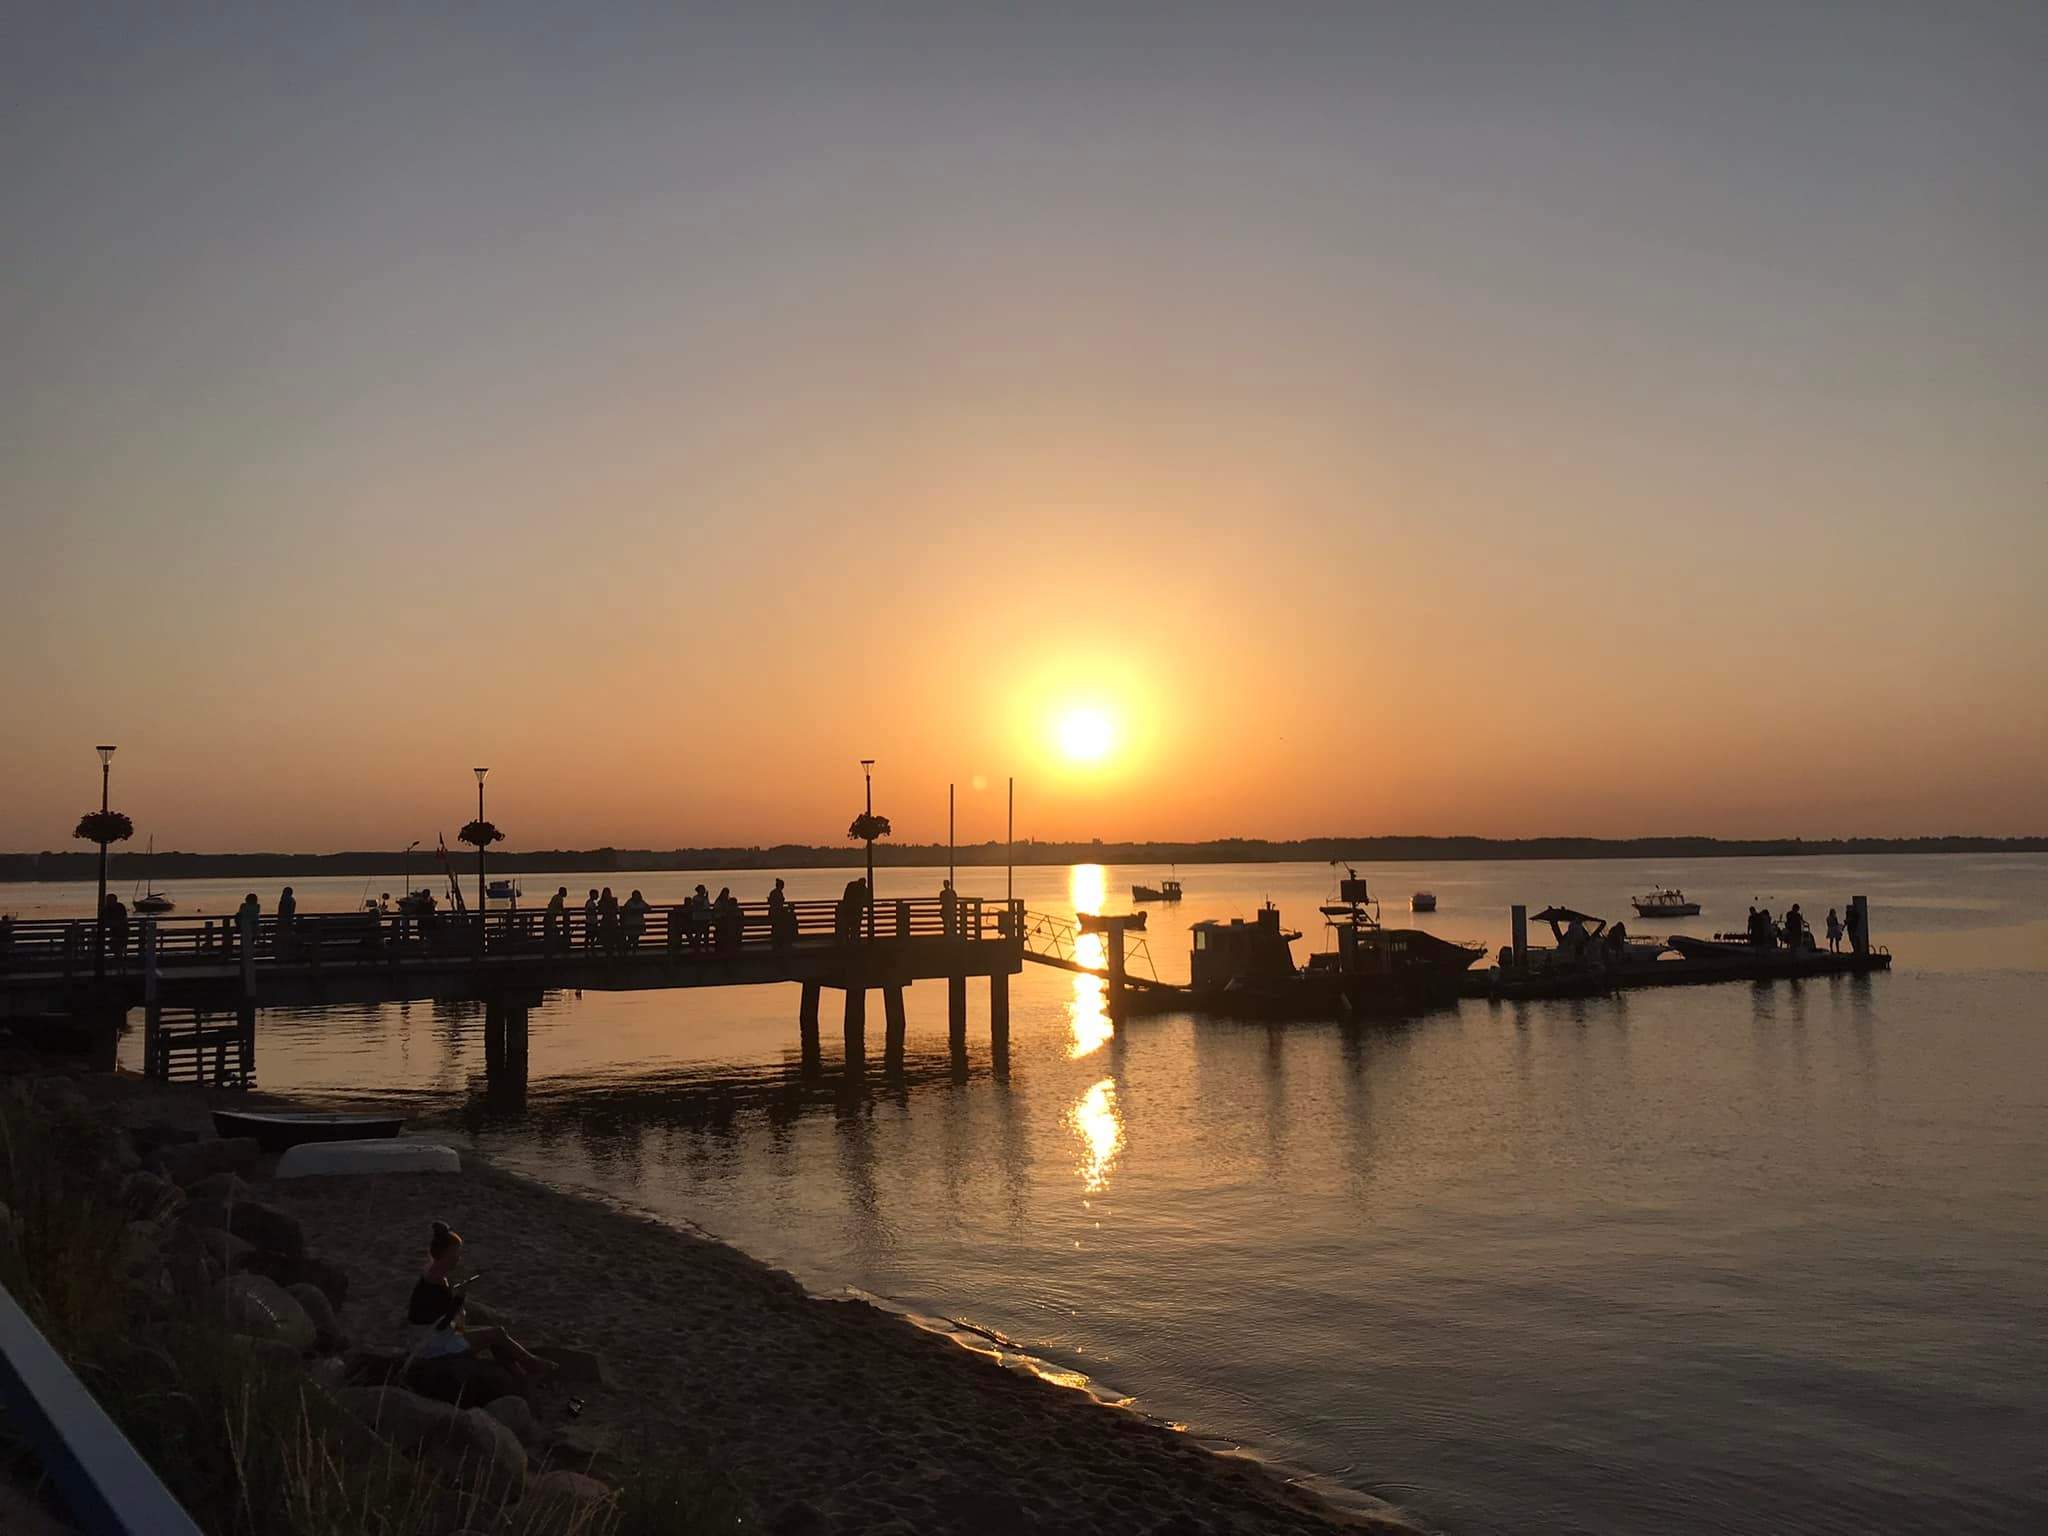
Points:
[(1165, 890), (1422, 901), (1246, 969), (151, 901), (1588, 959), (277, 1130), (1665, 901), (502, 890)]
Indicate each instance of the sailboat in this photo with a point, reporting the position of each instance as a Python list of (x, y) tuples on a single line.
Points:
[(153, 901)]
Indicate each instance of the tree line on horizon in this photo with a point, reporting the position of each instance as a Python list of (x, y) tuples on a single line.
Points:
[(170, 865)]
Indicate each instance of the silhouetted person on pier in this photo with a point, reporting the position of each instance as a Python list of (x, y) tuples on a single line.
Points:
[(116, 918), (949, 909), (851, 905), (608, 921), (554, 920), (590, 921), (1766, 929), (776, 902), (248, 915), (700, 920), (1795, 928), (633, 919), (1834, 932), (287, 923), (726, 913)]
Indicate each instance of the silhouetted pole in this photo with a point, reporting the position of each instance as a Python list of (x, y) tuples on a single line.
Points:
[(480, 854), (99, 919), (951, 873), (867, 772), (1010, 853)]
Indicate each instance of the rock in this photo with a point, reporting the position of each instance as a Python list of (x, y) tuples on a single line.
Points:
[(223, 1252), (516, 1414), (331, 1278), (262, 1309), (482, 1452), (191, 1274), (141, 1248), (206, 1213), (560, 1502), (406, 1419), (189, 1162), (146, 1196), (374, 1367), (329, 1374), (326, 1327), (579, 1366), (149, 1139), (226, 1187), (272, 1266), (126, 1158), (582, 1445), (271, 1229)]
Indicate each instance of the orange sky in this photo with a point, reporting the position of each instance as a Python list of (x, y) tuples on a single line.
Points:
[(1484, 435)]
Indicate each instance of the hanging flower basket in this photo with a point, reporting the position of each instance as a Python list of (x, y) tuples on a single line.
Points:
[(480, 835), (104, 827), (867, 826)]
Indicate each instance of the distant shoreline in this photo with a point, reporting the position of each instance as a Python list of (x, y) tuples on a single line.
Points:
[(54, 867)]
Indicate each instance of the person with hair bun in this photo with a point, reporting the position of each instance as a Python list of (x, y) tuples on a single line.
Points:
[(435, 1313)]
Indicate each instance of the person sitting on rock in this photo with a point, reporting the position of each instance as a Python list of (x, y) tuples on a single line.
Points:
[(435, 1313)]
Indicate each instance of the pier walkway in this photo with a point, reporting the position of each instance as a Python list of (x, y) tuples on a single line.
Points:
[(186, 971)]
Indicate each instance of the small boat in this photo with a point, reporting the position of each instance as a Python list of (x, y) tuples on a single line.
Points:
[(276, 1130), (1165, 890), (502, 890), (1422, 901), (151, 901), (1666, 901)]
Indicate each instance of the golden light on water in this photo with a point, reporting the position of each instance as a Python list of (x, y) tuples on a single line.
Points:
[(1095, 1120), (1087, 886), (1087, 889)]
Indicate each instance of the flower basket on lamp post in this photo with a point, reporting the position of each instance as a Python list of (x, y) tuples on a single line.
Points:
[(103, 827), (866, 828), (479, 834)]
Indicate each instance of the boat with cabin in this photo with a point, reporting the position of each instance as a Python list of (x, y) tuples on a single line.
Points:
[(1665, 901), (1165, 890), (1422, 901)]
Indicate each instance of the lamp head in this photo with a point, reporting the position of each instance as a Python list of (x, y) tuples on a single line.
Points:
[(106, 754), (480, 772)]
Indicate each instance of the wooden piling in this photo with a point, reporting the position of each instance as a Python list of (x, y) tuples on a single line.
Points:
[(956, 1013), (892, 1011), (856, 1024), (807, 1024), (494, 1037), (999, 1011)]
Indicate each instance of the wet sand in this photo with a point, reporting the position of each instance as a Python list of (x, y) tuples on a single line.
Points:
[(828, 1415)]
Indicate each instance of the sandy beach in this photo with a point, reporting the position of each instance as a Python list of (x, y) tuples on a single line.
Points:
[(826, 1415)]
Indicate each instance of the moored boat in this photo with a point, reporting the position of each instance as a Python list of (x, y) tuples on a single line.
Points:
[(1665, 901), (1422, 901), (1165, 890), (275, 1130)]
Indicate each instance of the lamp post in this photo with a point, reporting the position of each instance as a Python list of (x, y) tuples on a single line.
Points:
[(99, 929), (405, 870), (867, 772), (480, 772)]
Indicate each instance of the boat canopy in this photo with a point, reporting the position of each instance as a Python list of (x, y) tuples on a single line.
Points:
[(1564, 915)]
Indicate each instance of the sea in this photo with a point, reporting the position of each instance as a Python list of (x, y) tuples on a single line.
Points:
[(1739, 1258)]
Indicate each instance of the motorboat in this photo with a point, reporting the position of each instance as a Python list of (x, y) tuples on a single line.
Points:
[(1665, 901), (1422, 901), (1165, 890), (279, 1129), (503, 890)]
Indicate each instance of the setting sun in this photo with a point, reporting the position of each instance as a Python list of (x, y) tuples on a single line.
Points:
[(1086, 735)]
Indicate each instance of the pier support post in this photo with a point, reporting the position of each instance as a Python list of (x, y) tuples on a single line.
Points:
[(152, 1001), (999, 1011), (856, 1026), (494, 1037), (956, 1013), (1859, 929), (807, 1026), (1114, 949), (892, 1012), (1518, 924)]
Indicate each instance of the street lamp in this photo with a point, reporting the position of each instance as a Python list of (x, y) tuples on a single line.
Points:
[(99, 939), (480, 772), (867, 772)]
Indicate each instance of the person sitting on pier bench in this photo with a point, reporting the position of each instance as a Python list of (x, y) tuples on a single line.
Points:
[(433, 1317)]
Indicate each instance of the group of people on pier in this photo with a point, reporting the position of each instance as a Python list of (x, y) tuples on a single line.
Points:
[(1796, 933)]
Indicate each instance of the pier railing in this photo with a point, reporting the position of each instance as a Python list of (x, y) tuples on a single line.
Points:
[(65, 945)]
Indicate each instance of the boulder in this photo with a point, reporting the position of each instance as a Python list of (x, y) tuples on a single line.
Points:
[(330, 1374), (227, 1187), (189, 1162), (326, 1327), (271, 1229), (262, 1309), (146, 1196), (406, 1419), (125, 1157), (558, 1502), (150, 1139), (574, 1366), (141, 1247), (331, 1278), (517, 1415), (481, 1452), (206, 1213), (222, 1252), (374, 1367)]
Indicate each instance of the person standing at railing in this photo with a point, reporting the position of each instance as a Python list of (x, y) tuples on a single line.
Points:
[(949, 910), (778, 910), (607, 921), (590, 922), (633, 918), (116, 916), (248, 916), (700, 919), (552, 919), (287, 941), (726, 914)]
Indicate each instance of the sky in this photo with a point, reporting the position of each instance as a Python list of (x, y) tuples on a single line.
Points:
[(1269, 420)]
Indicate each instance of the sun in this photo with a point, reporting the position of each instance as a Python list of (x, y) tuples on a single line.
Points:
[(1086, 735)]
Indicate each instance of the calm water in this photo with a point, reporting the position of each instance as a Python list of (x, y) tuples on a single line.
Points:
[(1721, 1259)]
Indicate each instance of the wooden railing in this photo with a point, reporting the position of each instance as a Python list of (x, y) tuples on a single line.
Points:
[(66, 945)]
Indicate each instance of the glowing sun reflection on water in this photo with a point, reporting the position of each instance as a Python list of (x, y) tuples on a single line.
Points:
[(1086, 887), (1095, 1120)]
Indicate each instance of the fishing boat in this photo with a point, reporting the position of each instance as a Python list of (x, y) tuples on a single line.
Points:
[(276, 1130), (1165, 890), (1666, 901), (152, 901), (1422, 901), (503, 890)]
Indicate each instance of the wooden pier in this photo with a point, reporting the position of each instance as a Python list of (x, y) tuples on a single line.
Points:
[(192, 975)]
